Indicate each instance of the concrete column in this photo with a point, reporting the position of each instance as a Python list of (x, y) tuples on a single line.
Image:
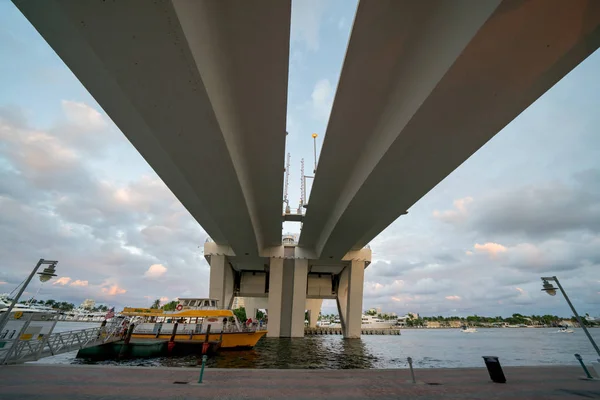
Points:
[(350, 298), (253, 304), (287, 297), (221, 280), (314, 308), (275, 297), (299, 298)]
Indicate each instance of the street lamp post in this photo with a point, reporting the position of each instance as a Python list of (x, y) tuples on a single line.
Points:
[(45, 276), (551, 290)]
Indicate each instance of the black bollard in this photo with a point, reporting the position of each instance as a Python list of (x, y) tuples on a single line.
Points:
[(125, 346), (494, 369)]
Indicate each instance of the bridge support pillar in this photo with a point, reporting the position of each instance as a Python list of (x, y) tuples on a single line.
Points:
[(287, 297), (314, 308), (350, 298), (221, 280)]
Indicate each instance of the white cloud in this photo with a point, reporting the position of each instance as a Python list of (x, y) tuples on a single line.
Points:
[(452, 298), (307, 16), (83, 115), (322, 99), (79, 283), (164, 299), (155, 271), (62, 281)]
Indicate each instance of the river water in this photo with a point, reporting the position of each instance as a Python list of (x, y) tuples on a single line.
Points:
[(429, 348)]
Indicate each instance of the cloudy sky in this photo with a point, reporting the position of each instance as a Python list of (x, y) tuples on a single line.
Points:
[(73, 188)]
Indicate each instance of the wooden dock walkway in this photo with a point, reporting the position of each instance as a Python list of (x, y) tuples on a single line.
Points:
[(77, 382), (338, 331)]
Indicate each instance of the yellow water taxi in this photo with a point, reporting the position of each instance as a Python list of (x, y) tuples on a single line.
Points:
[(190, 323)]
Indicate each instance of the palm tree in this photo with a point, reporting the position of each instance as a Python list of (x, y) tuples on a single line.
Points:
[(156, 304)]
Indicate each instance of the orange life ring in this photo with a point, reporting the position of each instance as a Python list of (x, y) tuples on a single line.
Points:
[(179, 307)]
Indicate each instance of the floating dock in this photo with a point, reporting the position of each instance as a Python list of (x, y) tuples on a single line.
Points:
[(74, 382), (145, 348), (338, 331)]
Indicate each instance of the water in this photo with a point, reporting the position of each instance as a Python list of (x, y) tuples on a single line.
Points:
[(429, 348)]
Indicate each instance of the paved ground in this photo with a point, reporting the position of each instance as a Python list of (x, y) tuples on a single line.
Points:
[(45, 382)]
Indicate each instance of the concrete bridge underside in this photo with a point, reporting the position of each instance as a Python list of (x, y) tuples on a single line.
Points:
[(287, 285), (200, 89)]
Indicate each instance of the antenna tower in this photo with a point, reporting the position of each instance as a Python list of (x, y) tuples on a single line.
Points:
[(302, 187), (286, 184)]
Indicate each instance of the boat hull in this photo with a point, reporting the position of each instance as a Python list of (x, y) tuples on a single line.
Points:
[(230, 340)]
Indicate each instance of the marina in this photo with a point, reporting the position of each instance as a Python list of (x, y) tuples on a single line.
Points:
[(326, 330)]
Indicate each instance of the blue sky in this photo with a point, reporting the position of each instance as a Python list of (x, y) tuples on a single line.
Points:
[(526, 204)]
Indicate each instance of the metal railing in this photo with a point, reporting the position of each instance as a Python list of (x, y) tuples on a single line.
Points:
[(17, 350)]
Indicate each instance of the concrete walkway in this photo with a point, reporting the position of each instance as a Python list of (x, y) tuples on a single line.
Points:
[(103, 382)]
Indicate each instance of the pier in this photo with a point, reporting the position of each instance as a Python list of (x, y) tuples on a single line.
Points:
[(92, 382), (338, 331)]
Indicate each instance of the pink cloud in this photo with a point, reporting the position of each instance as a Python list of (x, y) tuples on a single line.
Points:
[(492, 249), (62, 281), (155, 271), (453, 298), (458, 214), (113, 290), (79, 283)]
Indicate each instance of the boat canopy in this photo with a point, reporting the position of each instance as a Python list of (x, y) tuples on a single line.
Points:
[(153, 312)]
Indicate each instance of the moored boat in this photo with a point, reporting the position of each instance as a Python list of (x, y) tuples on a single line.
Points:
[(468, 329), (190, 323)]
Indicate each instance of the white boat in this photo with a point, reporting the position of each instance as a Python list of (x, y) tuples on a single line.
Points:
[(565, 330), (367, 322), (372, 322), (468, 329)]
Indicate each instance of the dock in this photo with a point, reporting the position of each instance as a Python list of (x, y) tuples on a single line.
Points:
[(45, 382), (338, 331)]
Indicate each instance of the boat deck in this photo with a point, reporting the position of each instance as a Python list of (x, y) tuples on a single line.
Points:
[(129, 383)]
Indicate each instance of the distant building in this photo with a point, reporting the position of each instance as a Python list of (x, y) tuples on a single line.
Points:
[(238, 302), (414, 315), (88, 304)]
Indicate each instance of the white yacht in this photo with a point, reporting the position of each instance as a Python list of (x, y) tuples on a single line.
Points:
[(372, 322), (468, 329), (367, 322)]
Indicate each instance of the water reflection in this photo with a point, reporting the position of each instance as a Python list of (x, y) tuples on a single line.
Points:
[(311, 353)]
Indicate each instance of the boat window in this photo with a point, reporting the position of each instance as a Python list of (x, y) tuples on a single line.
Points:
[(206, 304), (194, 303), (185, 302), (213, 303)]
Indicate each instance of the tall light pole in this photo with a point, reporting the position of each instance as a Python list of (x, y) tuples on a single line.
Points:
[(314, 136), (551, 290), (45, 276)]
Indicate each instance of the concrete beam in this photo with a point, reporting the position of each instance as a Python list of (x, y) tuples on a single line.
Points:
[(199, 88), (442, 79)]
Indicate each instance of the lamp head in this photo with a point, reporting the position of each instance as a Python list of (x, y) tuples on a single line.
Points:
[(548, 287), (314, 135), (47, 273)]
